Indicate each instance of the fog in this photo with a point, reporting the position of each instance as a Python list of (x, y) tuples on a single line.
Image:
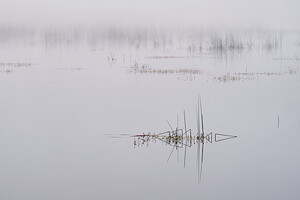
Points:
[(279, 14), (155, 99)]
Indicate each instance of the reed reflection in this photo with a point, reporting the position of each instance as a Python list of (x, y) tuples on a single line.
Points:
[(182, 138)]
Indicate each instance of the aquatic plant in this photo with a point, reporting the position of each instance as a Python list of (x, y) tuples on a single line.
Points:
[(182, 138), (8, 67)]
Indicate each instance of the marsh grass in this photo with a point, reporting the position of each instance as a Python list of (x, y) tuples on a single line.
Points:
[(15, 64), (191, 41), (191, 73), (8, 67), (248, 76), (147, 69)]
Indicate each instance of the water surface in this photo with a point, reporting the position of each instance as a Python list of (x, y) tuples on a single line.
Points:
[(68, 114)]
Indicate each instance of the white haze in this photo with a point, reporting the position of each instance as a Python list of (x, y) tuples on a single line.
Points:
[(279, 14)]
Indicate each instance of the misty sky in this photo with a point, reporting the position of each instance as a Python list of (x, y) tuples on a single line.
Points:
[(231, 13)]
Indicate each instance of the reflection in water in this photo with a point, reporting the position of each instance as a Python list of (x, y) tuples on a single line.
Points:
[(182, 139)]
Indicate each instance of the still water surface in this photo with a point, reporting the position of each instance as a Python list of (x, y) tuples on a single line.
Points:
[(68, 114)]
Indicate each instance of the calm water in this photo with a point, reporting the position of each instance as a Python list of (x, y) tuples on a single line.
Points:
[(68, 114)]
